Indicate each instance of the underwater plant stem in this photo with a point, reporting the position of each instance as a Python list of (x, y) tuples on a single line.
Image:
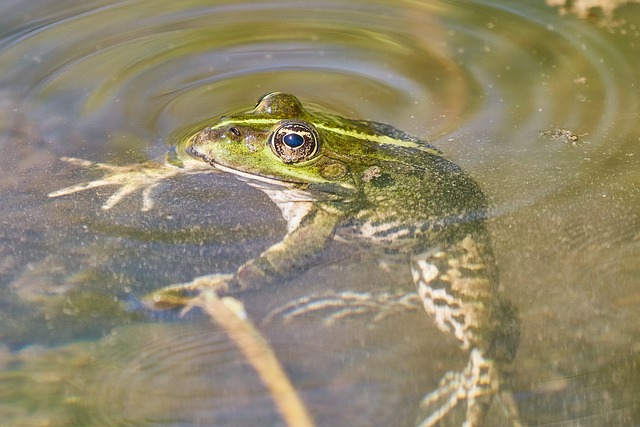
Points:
[(230, 315)]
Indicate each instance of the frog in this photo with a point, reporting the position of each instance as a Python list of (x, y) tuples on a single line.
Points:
[(364, 183)]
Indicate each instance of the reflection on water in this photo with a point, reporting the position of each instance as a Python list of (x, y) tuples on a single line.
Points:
[(118, 81), (592, 9)]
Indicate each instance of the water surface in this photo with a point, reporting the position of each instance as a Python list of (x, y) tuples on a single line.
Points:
[(119, 82)]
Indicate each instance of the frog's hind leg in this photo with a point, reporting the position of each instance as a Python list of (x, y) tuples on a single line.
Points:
[(456, 284)]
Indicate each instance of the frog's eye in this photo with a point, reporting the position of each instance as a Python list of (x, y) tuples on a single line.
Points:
[(294, 142)]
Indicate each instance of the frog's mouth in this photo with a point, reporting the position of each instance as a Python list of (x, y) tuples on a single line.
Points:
[(245, 176), (314, 190), (305, 191), (248, 177)]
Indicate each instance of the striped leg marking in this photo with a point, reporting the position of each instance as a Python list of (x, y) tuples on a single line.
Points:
[(446, 309), (456, 286)]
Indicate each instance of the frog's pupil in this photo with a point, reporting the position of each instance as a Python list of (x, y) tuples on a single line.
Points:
[(293, 140)]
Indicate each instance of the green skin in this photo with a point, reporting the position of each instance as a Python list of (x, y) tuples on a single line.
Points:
[(359, 186), (367, 183)]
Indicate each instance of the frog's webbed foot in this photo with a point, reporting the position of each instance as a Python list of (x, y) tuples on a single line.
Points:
[(340, 305), (182, 294), (478, 384), (129, 178)]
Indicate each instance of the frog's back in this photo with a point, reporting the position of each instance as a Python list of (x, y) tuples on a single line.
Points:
[(412, 195)]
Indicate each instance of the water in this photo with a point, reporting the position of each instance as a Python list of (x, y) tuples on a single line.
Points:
[(120, 81)]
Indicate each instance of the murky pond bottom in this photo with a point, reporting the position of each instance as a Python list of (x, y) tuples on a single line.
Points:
[(540, 108)]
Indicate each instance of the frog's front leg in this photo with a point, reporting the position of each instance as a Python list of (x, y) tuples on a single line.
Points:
[(456, 283), (306, 236)]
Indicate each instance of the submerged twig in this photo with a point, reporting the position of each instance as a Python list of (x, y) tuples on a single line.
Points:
[(230, 315)]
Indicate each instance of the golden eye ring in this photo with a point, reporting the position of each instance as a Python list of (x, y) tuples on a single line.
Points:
[(294, 141)]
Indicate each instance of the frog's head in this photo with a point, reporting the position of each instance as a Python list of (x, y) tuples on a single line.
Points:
[(276, 142)]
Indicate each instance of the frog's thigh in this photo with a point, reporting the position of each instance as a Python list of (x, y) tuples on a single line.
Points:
[(454, 284), (434, 289)]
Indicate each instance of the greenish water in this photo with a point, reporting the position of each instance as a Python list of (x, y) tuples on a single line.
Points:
[(118, 82)]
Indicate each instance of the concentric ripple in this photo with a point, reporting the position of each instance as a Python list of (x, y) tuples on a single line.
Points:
[(479, 78), (541, 108)]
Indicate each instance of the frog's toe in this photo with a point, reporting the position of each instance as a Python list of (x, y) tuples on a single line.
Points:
[(77, 161), (147, 199), (440, 402), (79, 187), (119, 195), (341, 305), (477, 384)]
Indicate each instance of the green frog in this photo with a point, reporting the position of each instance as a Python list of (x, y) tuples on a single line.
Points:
[(361, 182)]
